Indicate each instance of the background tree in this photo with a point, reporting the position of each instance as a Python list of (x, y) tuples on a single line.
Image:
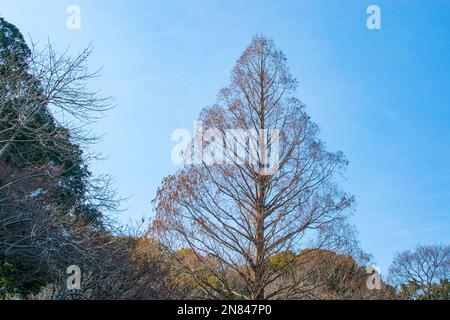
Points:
[(50, 204), (128, 267), (330, 275), (236, 216), (422, 273)]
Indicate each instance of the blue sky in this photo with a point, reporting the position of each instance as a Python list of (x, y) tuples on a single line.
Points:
[(380, 96)]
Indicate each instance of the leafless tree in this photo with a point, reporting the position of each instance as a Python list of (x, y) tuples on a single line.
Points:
[(236, 215), (45, 82), (51, 207), (119, 268), (46, 103), (416, 271), (40, 238)]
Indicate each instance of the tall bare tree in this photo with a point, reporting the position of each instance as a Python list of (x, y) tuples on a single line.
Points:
[(274, 188)]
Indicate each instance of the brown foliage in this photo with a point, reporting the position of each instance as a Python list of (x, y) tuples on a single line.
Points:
[(239, 213)]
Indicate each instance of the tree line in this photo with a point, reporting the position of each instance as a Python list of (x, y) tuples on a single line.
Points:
[(220, 231)]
